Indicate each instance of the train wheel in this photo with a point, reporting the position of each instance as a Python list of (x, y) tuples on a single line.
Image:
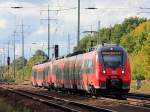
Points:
[(49, 87), (124, 97), (52, 86), (121, 97), (92, 91)]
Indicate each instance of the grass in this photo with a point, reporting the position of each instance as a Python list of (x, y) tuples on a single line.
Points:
[(145, 86)]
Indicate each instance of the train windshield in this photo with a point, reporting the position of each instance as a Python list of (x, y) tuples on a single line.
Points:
[(112, 59)]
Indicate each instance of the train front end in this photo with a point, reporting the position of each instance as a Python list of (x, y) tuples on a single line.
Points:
[(114, 69)]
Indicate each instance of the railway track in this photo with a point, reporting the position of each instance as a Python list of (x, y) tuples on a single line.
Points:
[(139, 96), (62, 104), (137, 104), (145, 104), (130, 104)]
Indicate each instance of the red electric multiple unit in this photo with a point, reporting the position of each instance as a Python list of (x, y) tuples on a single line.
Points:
[(105, 69)]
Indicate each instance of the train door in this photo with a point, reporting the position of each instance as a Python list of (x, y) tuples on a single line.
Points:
[(74, 84), (46, 74), (72, 72), (62, 73), (66, 73), (53, 76), (78, 71), (34, 77), (44, 77), (49, 80), (89, 75), (84, 74), (88, 71)]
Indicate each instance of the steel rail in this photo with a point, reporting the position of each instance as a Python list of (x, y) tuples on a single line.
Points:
[(141, 104), (139, 96), (65, 105)]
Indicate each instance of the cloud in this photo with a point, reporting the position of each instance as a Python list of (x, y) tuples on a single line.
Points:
[(3, 24), (19, 50), (40, 34), (43, 30), (109, 13), (28, 9), (40, 31)]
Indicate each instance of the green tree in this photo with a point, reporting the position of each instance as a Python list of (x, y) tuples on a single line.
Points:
[(37, 57)]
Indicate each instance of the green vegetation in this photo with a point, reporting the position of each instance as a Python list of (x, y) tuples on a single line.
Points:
[(37, 57), (111, 34), (144, 86), (133, 34)]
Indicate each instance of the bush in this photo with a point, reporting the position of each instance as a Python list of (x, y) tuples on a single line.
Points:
[(139, 77)]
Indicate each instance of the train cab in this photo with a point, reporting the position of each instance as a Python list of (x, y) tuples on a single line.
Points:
[(115, 74)]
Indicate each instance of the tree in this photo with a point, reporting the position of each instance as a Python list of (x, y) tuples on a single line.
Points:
[(19, 63), (37, 57)]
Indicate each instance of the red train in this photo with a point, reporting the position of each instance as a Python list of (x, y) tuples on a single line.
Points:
[(104, 69)]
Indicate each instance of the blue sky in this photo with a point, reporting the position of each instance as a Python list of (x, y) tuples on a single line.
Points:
[(109, 12)]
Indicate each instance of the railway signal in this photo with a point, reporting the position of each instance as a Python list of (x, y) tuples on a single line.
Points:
[(56, 50), (8, 60)]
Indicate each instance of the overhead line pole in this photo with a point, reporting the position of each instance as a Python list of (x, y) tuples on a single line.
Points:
[(78, 35), (23, 57), (99, 25), (49, 30), (48, 34), (19, 7), (4, 62), (14, 55), (22, 31), (7, 58), (68, 43)]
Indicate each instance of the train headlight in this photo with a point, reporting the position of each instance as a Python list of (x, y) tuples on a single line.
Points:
[(123, 71), (104, 71)]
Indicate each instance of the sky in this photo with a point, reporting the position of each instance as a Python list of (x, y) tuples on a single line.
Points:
[(63, 24)]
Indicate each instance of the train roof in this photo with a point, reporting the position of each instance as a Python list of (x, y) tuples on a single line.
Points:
[(102, 47), (106, 47)]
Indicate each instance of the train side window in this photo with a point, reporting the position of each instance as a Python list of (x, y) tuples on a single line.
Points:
[(85, 68), (66, 70), (89, 66), (53, 70), (33, 74), (58, 73), (82, 70), (44, 74), (38, 75), (47, 69), (72, 77)]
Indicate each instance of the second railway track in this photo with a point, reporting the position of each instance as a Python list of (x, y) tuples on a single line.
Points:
[(139, 96)]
